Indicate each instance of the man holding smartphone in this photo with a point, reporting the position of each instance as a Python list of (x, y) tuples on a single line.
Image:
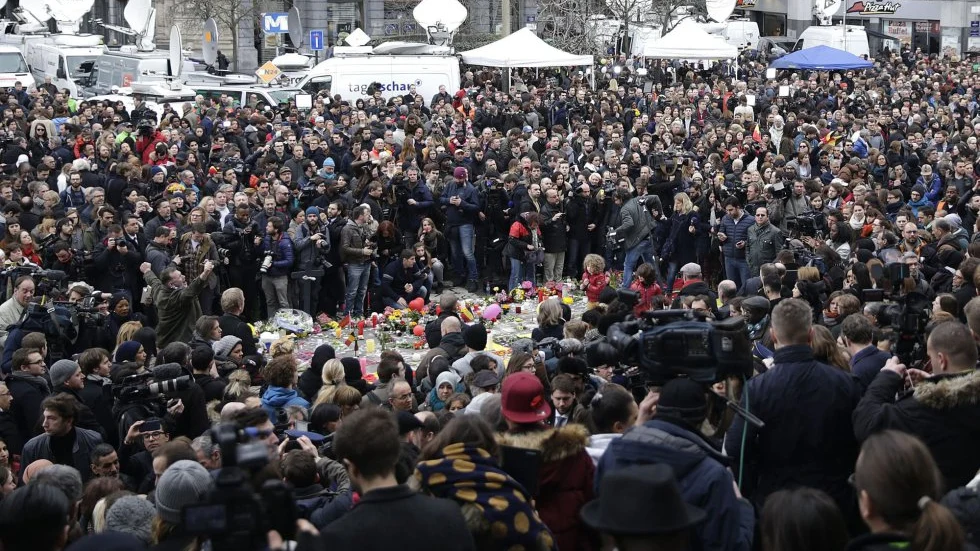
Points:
[(463, 208)]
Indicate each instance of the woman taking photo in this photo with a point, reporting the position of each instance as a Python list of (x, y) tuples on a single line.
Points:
[(680, 247), (898, 489)]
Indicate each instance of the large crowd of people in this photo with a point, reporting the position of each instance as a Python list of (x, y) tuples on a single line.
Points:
[(835, 213)]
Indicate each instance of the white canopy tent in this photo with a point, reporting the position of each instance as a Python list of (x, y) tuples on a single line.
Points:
[(689, 41), (523, 49)]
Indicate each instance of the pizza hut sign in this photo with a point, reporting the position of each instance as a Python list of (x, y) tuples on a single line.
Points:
[(873, 8)]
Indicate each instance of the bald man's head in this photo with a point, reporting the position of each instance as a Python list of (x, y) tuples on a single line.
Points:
[(450, 325)]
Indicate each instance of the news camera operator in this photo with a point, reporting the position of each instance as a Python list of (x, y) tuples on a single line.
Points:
[(67, 260)]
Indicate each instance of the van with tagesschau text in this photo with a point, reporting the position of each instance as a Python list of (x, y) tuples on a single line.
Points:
[(350, 76)]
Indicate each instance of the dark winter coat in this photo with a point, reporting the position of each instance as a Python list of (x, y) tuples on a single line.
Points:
[(808, 438), (384, 517), (320, 506), (702, 473), (866, 364), (943, 411)]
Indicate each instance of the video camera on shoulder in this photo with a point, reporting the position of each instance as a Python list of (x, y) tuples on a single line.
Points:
[(151, 386), (670, 343), (236, 517)]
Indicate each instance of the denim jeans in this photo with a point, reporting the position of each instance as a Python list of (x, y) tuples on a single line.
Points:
[(642, 252), (519, 273), (461, 246), (737, 270), (357, 283), (672, 269), (577, 251)]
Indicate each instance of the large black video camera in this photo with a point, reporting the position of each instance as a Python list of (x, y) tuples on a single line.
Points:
[(151, 386), (669, 343), (907, 322), (237, 518)]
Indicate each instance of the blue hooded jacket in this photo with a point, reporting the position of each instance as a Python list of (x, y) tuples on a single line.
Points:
[(276, 397), (702, 475)]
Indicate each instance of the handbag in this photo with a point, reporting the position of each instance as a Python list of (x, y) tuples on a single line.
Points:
[(535, 257)]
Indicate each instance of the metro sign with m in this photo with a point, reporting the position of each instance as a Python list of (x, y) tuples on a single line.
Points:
[(275, 23)]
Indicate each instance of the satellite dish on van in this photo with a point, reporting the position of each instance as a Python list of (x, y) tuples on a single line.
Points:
[(828, 8), (357, 37), (141, 18), (67, 13), (176, 55), (295, 27), (37, 11), (720, 10), (440, 19), (210, 45)]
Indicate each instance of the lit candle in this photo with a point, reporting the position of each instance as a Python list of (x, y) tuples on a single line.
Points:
[(360, 328), (369, 343)]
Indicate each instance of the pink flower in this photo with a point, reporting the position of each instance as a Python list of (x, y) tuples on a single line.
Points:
[(323, 318), (527, 285)]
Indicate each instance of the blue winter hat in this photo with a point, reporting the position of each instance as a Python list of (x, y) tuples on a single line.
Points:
[(313, 210), (329, 162), (126, 352)]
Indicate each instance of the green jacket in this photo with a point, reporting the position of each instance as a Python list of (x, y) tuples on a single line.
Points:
[(177, 309)]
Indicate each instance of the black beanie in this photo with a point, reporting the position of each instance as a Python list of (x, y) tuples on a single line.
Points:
[(475, 336), (683, 399)]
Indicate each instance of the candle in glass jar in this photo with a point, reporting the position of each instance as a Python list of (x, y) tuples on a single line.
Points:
[(338, 332), (360, 328), (369, 344), (517, 309)]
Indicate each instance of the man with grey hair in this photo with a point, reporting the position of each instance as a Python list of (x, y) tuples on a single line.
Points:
[(208, 452), (66, 479)]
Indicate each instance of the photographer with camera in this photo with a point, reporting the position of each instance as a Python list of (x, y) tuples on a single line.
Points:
[(942, 410), (414, 201), (734, 235), (177, 303), (277, 249), (636, 231), (312, 242), (240, 237)]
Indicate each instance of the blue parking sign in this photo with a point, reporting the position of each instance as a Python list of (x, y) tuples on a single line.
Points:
[(316, 40)]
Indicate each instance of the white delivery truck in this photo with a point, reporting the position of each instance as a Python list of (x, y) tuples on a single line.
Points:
[(13, 68), (350, 76), (856, 41)]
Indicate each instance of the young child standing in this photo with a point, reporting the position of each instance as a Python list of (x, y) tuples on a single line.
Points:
[(595, 277), (645, 283)]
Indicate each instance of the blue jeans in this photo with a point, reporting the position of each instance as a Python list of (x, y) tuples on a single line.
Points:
[(358, 276), (519, 273), (672, 268), (643, 252), (737, 270), (462, 251), (421, 292)]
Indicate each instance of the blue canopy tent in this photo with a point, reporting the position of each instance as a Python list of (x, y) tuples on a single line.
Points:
[(821, 58)]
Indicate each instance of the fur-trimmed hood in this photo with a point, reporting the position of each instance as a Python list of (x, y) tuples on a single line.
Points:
[(554, 444), (950, 391)]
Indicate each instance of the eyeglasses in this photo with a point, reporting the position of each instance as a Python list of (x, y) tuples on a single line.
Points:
[(36, 362), (152, 435), (402, 397)]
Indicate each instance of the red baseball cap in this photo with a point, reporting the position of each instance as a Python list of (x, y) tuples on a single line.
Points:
[(522, 399)]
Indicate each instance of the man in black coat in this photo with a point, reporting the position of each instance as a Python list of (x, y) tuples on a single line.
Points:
[(943, 409), (28, 388), (857, 332), (231, 323), (806, 406), (8, 428), (368, 444)]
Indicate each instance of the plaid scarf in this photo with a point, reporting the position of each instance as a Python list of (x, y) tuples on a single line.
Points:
[(467, 474)]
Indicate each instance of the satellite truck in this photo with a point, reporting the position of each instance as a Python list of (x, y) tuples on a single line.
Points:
[(66, 56), (397, 66)]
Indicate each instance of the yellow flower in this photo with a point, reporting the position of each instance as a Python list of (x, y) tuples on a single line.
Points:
[(568, 300), (333, 325)]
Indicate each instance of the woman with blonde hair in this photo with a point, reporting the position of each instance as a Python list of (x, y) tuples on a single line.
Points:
[(826, 349), (126, 331), (550, 321), (680, 246), (333, 379)]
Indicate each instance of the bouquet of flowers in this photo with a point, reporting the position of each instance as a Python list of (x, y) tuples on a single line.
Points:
[(297, 322)]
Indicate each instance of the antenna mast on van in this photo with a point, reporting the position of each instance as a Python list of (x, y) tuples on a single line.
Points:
[(440, 19), (824, 11), (67, 15)]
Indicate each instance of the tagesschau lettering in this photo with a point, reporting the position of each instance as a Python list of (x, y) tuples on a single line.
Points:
[(389, 87)]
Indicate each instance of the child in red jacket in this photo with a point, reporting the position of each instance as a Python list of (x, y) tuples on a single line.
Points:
[(595, 278), (645, 283)]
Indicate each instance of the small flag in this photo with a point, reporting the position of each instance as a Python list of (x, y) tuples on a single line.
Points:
[(756, 135), (830, 138), (345, 322), (465, 314), (352, 338)]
